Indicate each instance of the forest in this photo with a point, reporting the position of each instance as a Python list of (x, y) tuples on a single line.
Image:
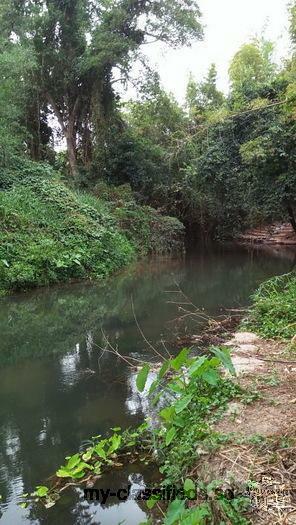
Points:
[(90, 181)]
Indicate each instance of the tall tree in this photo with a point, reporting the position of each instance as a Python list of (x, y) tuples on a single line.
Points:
[(203, 96), (78, 43), (251, 68), (16, 66)]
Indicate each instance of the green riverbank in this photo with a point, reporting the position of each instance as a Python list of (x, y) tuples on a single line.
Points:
[(53, 234)]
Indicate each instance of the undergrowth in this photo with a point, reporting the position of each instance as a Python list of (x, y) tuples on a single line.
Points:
[(273, 312), (50, 233), (145, 227)]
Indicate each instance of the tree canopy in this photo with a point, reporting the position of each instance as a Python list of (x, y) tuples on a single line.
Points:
[(77, 44), (220, 162)]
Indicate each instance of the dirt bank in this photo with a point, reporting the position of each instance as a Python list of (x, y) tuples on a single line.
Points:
[(277, 233), (261, 445)]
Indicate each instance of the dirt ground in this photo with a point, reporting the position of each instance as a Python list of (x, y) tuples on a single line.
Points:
[(262, 444), (274, 234)]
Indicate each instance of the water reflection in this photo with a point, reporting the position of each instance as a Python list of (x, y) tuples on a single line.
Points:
[(57, 388)]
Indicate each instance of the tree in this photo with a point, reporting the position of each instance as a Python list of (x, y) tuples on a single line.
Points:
[(78, 43), (204, 96), (16, 66), (139, 138), (251, 68)]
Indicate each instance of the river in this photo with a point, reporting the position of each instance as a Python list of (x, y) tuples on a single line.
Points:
[(59, 385)]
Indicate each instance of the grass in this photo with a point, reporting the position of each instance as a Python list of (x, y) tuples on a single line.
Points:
[(273, 313)]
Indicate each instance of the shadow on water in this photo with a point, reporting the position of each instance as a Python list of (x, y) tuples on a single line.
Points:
[(56, 387)]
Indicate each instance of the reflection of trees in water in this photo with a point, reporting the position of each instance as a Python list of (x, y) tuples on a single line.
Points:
[(48, 403), (9, 462), (55, 320), (39, 421), (227, 277)]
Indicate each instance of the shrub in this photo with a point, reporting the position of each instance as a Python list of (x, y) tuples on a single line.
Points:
[(274, 308), (146, 228), (49, 234)]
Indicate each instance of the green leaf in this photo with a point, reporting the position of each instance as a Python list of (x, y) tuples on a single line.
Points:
[(115, 443), (167, 413), (165, 366), (179, 421), (142, 377), (182, 403), (100, 451), (156, 398), (63, 473), (195, 367), (189, 487), (211, 376), (170, 435), (177, 386), (73, 461), (153, 387), (197, 515), (175, 511), (180, 359), (41, 491), (224, 355), (79, 471), (78, 474)]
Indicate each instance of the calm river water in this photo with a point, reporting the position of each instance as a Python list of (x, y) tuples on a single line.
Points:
[(58, 387)]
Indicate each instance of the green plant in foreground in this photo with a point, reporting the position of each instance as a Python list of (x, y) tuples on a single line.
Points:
[(198, 394), (101, 454)]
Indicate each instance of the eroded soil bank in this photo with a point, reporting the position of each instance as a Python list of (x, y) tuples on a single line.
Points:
[(261, 444), (275, 234)]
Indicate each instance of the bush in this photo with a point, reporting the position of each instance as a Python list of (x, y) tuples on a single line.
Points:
[(22, 169), (50, 234), (146, 228), (274, 309)]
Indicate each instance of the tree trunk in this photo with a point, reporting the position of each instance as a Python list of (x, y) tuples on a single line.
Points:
[(86, 146), (292, 217), (68, 131), (71, 150)]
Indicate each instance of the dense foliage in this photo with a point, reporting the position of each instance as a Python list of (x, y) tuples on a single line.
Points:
[(76, 46), (58, 63), (218, 163), (226, 162), (273, 312), (52, 234)]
